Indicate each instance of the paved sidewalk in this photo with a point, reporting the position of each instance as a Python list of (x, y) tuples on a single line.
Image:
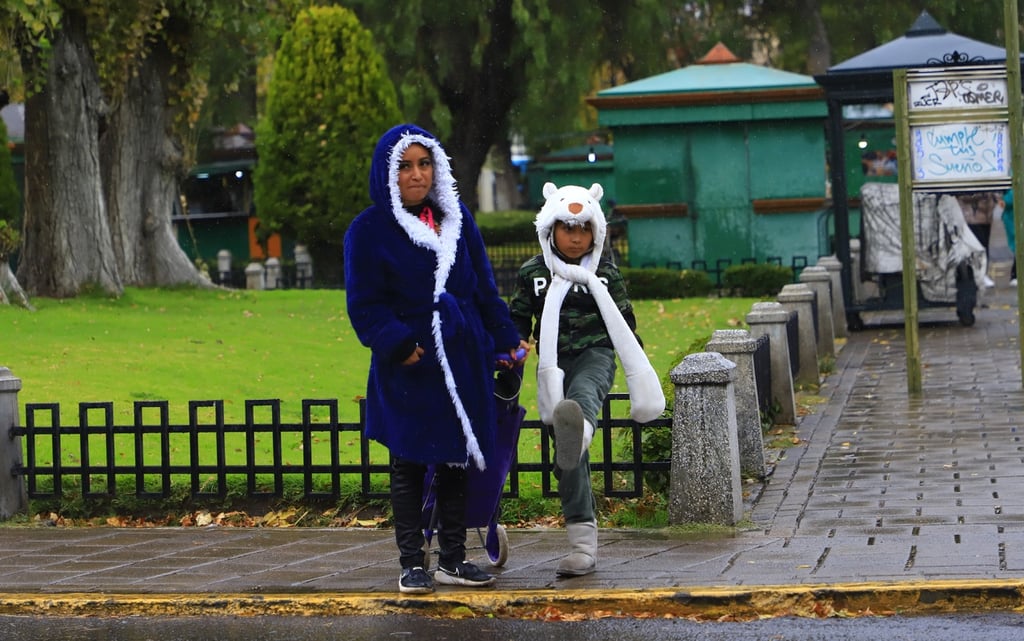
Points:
[(890, 503)]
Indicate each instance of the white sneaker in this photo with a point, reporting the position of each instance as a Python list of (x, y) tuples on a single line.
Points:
[(1013, 282), (988, 282)]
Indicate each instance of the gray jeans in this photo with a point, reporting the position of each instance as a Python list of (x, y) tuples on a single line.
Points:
[(588, 378)]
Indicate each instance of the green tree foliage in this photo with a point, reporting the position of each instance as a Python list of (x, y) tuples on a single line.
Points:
[(853, 28), (475, 72), (328, 102)]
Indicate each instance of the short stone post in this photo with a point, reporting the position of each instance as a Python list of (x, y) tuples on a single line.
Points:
[(272, 275), (738, 346), (254, 276), (224, 267), (705, 478), (13, 495), (820, 282), (798, 297), (303, 268), (769, 319), (835, 272)]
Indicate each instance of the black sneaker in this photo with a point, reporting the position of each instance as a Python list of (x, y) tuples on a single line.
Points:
[(415, 581), (464, 573)]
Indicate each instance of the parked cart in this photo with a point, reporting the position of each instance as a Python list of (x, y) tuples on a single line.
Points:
[(951, 262)]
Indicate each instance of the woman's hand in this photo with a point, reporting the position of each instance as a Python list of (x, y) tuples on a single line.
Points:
[(414, 357)]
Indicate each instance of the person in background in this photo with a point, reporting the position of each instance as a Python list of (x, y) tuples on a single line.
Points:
[(1011, 232), (978, 208), (584, 318), (421, 295)]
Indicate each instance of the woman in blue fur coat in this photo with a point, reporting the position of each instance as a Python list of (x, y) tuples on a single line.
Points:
[(421, 295)]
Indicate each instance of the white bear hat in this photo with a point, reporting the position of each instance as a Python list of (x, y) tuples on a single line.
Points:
[(572, 205)]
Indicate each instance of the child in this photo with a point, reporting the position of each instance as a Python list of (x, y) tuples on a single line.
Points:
[(584, 318)]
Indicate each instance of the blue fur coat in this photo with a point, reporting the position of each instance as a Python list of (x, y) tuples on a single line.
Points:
[(405, 283)]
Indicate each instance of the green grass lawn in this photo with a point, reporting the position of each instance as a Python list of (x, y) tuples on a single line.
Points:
[(185, 344)]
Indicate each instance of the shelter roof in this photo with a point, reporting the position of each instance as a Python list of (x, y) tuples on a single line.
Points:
[(719, 70)]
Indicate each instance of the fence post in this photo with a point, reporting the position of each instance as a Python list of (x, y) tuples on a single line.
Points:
[(705, 477), (13, 496), (738, 346), (820, 282), (770, 319), (254, 276), (224, 267), (799, 298), (272, 277), (303, 268), (835, 272)]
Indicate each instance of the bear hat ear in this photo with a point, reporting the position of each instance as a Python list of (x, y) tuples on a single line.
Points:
[(596, 191), (549, 190)]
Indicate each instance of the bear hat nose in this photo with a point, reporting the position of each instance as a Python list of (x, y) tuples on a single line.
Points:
[(575, 208)]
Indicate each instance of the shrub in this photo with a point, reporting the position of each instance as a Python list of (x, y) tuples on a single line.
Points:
[(328, 102), (507, 227), (666, 283), (756, 280)]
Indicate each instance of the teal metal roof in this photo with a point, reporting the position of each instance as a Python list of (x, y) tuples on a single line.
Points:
[(733, 76)]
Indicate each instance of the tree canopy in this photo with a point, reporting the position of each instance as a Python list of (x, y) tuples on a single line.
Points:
[(328, 102)]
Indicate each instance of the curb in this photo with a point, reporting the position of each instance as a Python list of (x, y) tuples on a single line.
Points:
[(714, 603)]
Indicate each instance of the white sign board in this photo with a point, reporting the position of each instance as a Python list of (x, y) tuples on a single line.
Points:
[(957, 93), (960, 151)]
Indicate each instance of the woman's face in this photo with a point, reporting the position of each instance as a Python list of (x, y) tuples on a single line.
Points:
[(415, 174)]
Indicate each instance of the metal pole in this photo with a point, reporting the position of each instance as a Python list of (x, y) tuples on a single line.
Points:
[(1016, 139), (910, 328)]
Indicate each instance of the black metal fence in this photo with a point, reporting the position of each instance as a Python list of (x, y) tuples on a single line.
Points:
[(154, 454)]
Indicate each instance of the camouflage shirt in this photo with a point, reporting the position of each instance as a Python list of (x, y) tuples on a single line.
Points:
[(580, 325)]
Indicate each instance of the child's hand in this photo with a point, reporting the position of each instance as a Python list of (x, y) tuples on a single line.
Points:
[(514, 357)]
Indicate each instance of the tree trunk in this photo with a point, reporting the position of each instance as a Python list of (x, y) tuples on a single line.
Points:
[(480, 100), (143, 165), (819, 50), (67, 241), (10, 288)]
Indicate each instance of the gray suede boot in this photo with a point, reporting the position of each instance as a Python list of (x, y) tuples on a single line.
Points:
[(583, 558)]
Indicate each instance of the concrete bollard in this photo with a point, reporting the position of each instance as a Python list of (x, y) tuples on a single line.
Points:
[(272, 274), (254, 276), (224, 267), (820, 282), (13, 495), (799, 298), (738, 346), (835, 272), (770, 319), (303, 268), (705, 484)]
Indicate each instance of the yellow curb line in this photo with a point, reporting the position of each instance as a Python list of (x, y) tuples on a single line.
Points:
[(821, 600)]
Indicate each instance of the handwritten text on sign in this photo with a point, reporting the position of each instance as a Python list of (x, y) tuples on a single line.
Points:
[(960, 151), (958, 93)]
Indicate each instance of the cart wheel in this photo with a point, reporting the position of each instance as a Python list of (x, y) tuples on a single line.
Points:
[(854, 321), (966, 294), (498, 557)]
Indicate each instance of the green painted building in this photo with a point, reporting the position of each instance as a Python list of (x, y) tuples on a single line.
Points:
[(720, 163)]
